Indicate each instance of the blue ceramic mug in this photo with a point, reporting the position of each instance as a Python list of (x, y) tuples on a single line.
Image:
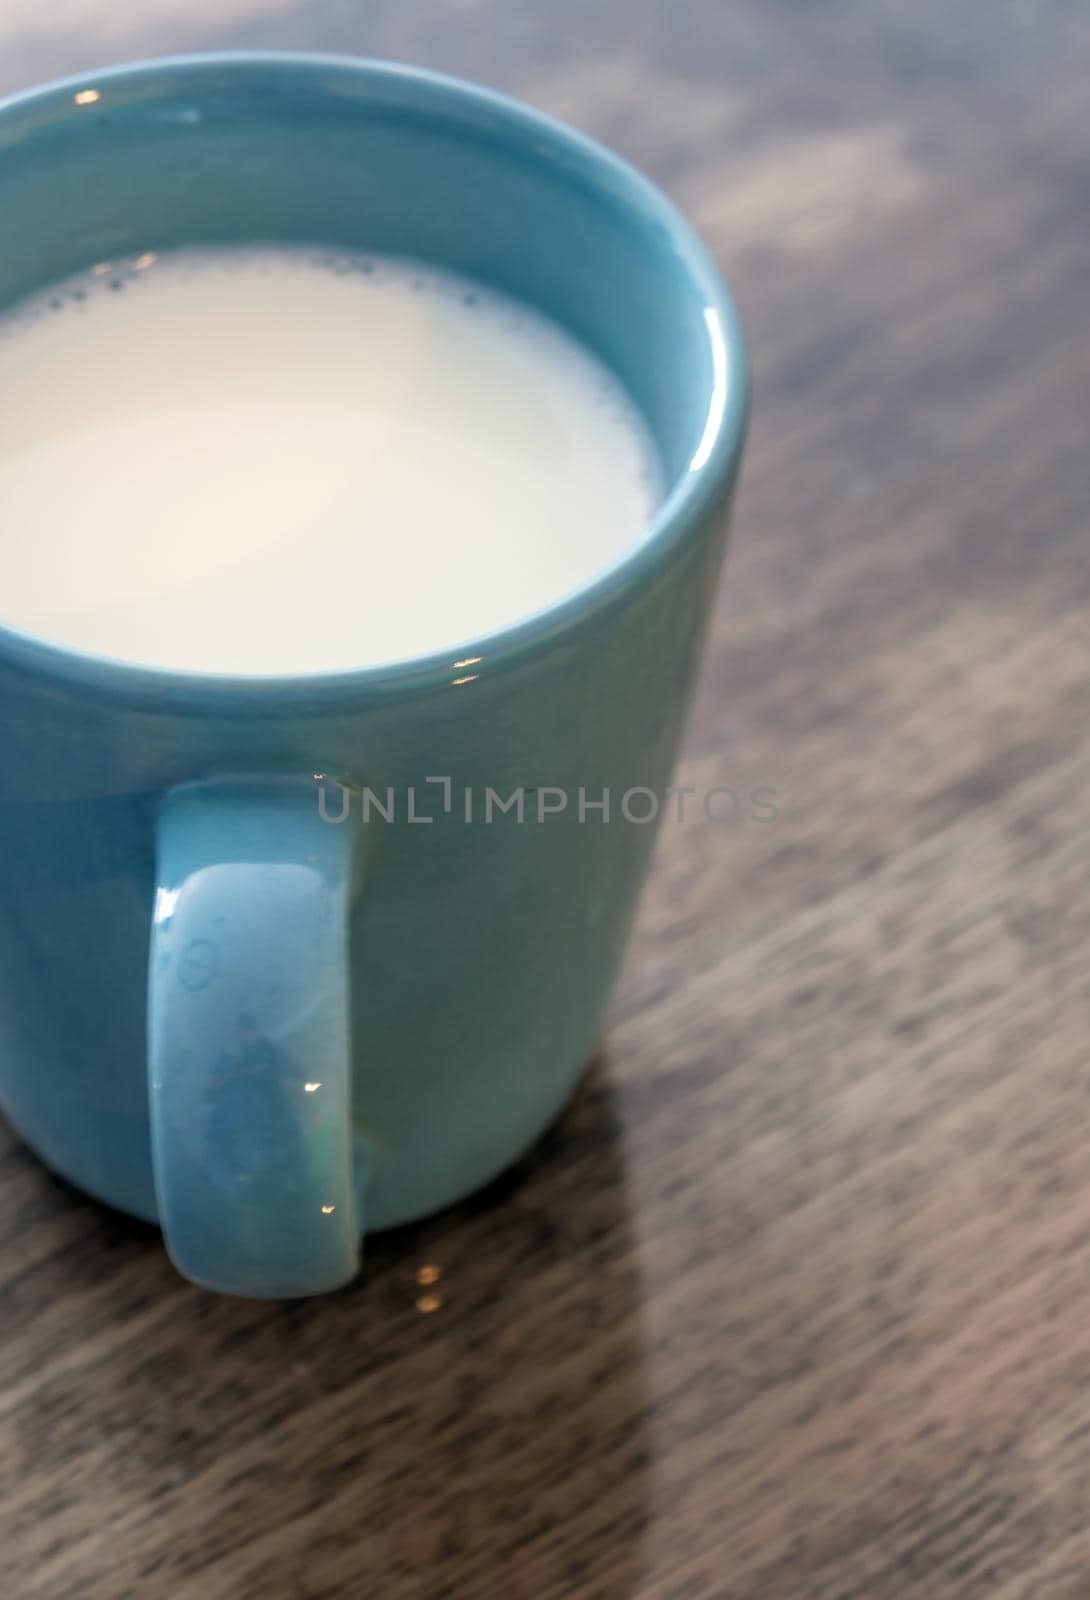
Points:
[(371, 984)]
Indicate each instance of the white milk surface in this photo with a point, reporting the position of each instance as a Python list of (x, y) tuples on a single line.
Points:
[(283, 461)]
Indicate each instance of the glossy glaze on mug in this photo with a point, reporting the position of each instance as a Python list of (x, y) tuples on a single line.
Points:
[(481, 957)]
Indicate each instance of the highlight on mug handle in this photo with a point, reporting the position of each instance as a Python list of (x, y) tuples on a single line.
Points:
[(257, 1174)]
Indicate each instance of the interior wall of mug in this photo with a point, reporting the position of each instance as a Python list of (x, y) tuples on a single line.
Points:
[(220, 152)]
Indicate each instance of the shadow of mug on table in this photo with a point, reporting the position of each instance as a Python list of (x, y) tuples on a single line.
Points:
[(468, 1420)]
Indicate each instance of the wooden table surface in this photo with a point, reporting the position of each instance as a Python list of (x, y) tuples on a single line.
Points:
[(792, 1305)]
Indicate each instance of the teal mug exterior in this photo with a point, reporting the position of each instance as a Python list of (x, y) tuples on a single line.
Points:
[(267, 975)]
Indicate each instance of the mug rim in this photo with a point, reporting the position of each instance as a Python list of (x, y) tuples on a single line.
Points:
[(691, 493)]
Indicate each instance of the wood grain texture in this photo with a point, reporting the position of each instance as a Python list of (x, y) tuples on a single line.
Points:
[(791, 1304)]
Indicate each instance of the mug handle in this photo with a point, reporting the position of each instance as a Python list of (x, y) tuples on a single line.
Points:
[(258, 1178)]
